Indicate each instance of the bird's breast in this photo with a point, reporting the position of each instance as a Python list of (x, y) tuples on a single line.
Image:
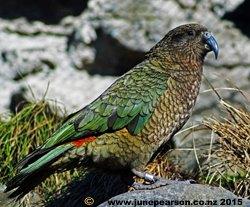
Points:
[(171, 111)]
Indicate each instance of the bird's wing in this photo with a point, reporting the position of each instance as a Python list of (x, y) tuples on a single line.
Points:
[(128, 103)]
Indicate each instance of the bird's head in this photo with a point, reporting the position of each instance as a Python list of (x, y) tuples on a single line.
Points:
[(189, 42)]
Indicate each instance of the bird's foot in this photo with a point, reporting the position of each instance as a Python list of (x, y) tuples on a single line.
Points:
[(155, 181), (159, 183)]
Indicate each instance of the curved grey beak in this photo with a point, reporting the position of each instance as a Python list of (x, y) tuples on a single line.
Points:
[(211, 43)]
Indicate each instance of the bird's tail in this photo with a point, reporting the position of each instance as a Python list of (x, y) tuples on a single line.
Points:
[(43, 162), (34, 169)]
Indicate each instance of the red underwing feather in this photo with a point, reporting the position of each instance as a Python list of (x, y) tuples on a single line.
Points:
[(83, 141)]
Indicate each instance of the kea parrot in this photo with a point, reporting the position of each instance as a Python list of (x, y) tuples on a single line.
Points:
[(126, 125)]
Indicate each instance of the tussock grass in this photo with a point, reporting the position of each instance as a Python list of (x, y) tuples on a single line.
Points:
[(232, 166), (20, 134), (23, 132)]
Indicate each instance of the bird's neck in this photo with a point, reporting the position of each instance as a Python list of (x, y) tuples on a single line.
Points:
[(175, 67)]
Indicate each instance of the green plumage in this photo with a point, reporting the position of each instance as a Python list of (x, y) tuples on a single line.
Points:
[(130, 99)]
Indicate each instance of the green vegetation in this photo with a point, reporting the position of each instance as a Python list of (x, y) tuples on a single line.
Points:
[(21, 134)]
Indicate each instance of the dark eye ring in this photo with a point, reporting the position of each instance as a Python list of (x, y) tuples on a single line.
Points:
[(191, 33)]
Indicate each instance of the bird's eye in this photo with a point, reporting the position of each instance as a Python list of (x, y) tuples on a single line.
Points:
[(191, 33), (178, 38)]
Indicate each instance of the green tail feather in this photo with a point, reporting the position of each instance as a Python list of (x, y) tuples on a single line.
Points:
[(47, 158), (52, 151), (62, 134), (37, 166), (30, 176)]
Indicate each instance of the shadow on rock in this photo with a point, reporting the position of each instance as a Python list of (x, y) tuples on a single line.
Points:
[(93, 189)]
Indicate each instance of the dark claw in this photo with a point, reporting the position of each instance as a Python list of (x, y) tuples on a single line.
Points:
[(191, 181), (159, 182)]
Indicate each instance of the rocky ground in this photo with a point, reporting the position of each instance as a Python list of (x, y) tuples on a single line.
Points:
[(179, 195)]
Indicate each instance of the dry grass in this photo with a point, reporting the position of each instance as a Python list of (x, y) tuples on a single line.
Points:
[(232, 169), (161, 167)]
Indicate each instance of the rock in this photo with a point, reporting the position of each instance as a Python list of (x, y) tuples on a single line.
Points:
[(49, 12), (97, 184), (139, 25), (31, 200), (2, 195), (60, 84), (32, 62), (180, 194), (240, 17), (7, 88), (108, 38)]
